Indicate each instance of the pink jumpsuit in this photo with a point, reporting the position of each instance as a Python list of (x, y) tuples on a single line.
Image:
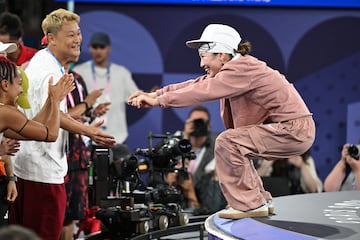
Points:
[(265, 118)]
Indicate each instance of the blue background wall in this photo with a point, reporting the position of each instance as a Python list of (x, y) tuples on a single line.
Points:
[(317, 49)]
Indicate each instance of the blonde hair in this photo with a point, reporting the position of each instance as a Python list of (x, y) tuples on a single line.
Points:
[(56, 19)]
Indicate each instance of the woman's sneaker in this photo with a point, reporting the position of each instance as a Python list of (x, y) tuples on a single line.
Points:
[(231, 213), (271, 206)]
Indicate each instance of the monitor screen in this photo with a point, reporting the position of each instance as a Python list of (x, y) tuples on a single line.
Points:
[(269, 3)]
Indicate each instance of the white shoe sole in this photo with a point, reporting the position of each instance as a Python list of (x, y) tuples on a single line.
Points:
[(271, 209), (240, 214)]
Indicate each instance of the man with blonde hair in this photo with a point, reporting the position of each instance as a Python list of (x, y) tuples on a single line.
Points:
[(41, 167)]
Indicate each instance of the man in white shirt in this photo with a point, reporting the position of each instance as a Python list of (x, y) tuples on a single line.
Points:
[(41, 167), (116, 81)]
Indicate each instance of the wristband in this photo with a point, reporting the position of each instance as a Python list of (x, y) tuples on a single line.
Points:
[(12, 178), (86, 106)]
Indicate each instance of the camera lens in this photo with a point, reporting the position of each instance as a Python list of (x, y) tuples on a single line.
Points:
[(200, 128), (184, 146), (354, 151)]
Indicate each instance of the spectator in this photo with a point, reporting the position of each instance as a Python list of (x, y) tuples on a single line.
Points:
[(22, 100), (11, 31), (15, 125), (41, 168), (345, 175), (79, 104), (201, 189), (264, 115), (8, 191), (300, 171), (6, 48), (116, 81)]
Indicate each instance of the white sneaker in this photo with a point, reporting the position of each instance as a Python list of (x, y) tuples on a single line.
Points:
[(231, 213), (271, 206)]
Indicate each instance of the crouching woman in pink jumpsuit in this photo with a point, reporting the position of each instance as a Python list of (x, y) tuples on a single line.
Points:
[(264, 115)]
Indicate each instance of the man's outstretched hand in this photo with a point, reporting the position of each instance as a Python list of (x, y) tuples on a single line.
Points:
[(100, 137)]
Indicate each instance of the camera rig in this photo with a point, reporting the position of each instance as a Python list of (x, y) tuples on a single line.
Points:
[(155, 205), (165, 156)]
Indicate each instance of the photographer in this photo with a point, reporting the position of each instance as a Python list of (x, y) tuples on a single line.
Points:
[(345, 175), (299, 172), (202, 189)]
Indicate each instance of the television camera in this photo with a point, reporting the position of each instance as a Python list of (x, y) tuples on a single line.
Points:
[(165, 157), (141, 207)]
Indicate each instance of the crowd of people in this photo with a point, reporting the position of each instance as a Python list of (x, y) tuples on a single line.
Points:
[(63, 111)]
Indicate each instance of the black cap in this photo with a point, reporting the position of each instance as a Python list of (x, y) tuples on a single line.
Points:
[(100, 38)]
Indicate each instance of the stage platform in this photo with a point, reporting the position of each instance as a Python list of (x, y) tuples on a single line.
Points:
[(334, 215)]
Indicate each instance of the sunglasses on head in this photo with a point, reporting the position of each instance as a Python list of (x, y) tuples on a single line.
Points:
[(207, 46)]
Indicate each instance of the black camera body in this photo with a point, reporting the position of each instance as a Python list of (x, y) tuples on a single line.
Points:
[(167, 153), (200, 128), (156, 206), (354, 151)]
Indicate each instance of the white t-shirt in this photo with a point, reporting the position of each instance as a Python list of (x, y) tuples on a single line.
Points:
[(118, 86), (42, 161)]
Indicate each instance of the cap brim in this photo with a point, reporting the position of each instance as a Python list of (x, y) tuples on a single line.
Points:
[(196, 43), (12, 48), (23, 101), (8, 47)]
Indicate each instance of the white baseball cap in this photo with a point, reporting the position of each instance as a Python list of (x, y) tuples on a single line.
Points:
[(218, 33), (8, 47)]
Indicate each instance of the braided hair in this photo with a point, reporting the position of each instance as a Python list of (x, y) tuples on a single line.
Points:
[(7, 70)]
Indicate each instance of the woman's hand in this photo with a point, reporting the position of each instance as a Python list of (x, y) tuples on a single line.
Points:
[(64, 86), (144, 101), (132, 100)]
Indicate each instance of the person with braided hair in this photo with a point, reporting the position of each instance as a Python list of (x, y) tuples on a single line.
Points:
[(15, 125)]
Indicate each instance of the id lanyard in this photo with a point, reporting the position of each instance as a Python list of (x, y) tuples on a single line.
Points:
[(62, 69), (107, 87), (81, 96)]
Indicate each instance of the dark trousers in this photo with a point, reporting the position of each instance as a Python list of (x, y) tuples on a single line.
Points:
[(4, 204)]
